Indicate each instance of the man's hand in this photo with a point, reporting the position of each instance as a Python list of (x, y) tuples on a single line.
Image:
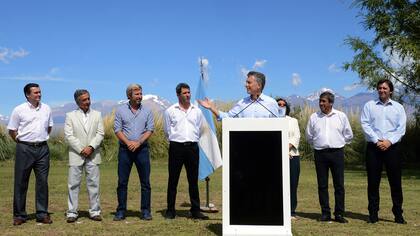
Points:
[(133, 145), (87, 151), (383, 145)]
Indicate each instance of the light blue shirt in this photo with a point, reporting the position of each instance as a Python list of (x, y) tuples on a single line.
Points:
[(383, 121), (133, 124), (264, 107)]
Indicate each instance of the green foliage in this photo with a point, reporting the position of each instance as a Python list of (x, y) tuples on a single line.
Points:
[(7, 145), (59, 149), (396, 28)]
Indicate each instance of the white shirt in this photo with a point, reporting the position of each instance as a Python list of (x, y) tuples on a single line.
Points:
[(31, 123), (328, 131), (294, 136), (85, 117), (183, 126)]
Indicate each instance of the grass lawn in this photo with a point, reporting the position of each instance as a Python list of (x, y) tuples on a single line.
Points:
[(308, 206)]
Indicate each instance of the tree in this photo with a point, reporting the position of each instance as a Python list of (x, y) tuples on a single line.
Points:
[(394, 52)]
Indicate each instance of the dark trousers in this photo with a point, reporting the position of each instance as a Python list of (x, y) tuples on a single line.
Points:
[(141, 159), (183, 154), (28, 158), (294, 181), (375, 159), (330, 159)]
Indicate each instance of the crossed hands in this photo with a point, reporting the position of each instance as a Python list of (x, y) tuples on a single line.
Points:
[(87, 151), (133, 145), (383, 145)]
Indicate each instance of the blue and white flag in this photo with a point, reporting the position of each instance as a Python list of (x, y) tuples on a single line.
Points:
[(210, 157)]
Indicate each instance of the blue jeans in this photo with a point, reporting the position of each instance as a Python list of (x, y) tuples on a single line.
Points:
[(141, 159)]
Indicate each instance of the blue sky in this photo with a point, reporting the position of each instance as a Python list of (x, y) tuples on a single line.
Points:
[(105, 45)]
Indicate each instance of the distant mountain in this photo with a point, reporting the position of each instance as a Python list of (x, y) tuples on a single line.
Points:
[(3, 119), (156, 103)]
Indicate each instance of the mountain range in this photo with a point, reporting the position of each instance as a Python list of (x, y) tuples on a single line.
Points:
[(159, 104)]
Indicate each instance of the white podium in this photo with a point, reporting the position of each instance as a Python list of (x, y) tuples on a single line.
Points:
[(256, 192)]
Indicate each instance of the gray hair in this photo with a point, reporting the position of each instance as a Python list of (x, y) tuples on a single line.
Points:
[(259, 77), (78, 93), (327, 94), (131, 88)]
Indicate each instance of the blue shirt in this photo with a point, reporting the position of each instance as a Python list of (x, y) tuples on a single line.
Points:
[(264, 107), (133, 124), (383, 121)]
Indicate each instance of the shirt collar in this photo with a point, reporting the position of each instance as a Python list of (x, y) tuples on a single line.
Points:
[(332, 112), (260, 98), (32, 107), (189, 108), (81, 111), (389, 102)]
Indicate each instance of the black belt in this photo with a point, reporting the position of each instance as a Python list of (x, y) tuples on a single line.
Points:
[(33, 144), (329, 150), (184, 143)]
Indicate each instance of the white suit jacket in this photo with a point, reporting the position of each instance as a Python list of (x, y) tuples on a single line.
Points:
[(78, 136)]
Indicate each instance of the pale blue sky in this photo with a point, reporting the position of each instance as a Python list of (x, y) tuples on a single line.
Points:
[(105, 45)]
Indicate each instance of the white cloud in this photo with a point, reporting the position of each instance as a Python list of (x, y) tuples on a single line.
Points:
[(34, 78), (7, 54), (244, 71), (296, 80), (352, 87), (259, 64), (333, 68), (154, 83)]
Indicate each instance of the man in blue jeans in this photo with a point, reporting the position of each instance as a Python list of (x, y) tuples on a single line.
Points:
[(133, 126)]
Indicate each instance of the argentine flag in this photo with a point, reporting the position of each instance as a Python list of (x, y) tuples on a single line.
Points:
[(210, 158)]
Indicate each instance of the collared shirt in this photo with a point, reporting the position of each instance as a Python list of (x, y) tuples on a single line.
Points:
[(31, 123), (328, 131), (385, 121), (183, 126), (85, 117), (294, 135), (263, 107), (133, 124)]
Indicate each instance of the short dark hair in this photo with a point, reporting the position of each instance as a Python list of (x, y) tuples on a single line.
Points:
[(388, 82), (287, 105), (78, 93), (27, 88), (180, 86), (259, 77), (327, 94)]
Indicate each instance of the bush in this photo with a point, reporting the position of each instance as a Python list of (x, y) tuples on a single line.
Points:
[(7, 145)]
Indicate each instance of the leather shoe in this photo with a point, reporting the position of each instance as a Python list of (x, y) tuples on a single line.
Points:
[(373, 219), (18, 221), (170, 215), (44, 220), (341, 219), (71, 219), (119, 216), (96, 218), (199, 216), (400, 220), (325, 218)]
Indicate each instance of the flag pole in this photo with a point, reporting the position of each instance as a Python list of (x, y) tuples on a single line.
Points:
[(209, 207)]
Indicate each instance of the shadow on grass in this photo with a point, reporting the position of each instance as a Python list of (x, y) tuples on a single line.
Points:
[(309, 215), (128, 213), (215, 228), (178, 213)]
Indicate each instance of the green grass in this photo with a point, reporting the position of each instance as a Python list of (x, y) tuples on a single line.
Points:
[(308, 206)]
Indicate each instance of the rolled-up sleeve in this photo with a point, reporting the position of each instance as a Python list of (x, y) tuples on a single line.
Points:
[(117, 122)]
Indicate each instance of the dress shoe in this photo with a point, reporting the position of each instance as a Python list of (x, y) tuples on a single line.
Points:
[(199, 216), (400, 220), (373, 219), (71, 219), (146, 216), (341, 219), (119, 216), (325, 218), (96, 218), (170, 215), (18, 221), (44, 220)]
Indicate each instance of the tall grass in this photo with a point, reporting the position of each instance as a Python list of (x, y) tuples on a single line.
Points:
[(7, 145)]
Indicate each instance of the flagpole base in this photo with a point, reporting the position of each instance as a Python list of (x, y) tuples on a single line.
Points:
[(209, 209)]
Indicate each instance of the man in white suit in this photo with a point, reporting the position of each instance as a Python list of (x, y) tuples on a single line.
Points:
[(84, 132)]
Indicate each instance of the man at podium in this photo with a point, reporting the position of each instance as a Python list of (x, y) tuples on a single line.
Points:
[(256, 105)]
